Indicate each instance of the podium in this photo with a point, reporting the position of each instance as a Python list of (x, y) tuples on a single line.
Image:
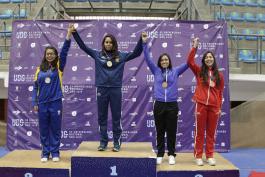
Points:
[(26, 163), (186, 167), (134, 159)]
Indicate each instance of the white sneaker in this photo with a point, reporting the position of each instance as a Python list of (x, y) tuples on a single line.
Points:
[(44, 159), (211, 161), (55, 159), (159, 160), (171, 160), (199, 162)]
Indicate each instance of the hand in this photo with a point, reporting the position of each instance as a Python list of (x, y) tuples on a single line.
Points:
[(195, 42), (36, 108), (70, 30), (144, 37)]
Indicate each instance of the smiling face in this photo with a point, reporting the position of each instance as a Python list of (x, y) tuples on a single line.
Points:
[(108, 45), (209, 60), (164, 62), (50, 55)]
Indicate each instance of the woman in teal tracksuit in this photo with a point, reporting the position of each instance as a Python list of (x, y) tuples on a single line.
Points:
[(109, 63), (47, 99)]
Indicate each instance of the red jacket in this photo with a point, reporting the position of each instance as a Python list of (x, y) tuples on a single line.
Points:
[(205, 94)]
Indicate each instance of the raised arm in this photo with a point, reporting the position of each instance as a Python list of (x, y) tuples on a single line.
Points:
[(82, 45), (191, 57), (182, 68), (148, 58), (136, 52), (65, 49)]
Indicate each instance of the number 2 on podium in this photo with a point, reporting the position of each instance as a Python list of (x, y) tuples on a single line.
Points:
[(113, 171)]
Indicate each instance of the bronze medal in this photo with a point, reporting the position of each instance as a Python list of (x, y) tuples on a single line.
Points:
[(212, 84), (164, 84)]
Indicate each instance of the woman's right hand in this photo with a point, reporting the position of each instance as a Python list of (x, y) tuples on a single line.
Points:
[(144, 37), (195, 42), (36, 108)]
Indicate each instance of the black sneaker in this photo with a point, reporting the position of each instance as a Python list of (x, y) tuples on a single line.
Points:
[(102, 148), (116, 148)]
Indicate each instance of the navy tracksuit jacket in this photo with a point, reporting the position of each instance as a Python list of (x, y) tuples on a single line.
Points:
[(109, 83)]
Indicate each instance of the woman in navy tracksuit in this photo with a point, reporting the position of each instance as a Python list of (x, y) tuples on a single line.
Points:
[(47, 99), (109, 63), (166, 106)]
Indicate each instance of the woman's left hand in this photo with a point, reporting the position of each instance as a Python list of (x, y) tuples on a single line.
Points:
[(144, 37)]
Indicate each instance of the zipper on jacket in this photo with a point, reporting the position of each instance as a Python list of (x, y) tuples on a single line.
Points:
[(208, 93), (166, 88)]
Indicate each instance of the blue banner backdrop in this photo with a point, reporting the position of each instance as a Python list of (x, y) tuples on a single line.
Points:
[(29, 39)]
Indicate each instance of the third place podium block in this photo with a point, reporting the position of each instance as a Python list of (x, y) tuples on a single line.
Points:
[(135, 159)]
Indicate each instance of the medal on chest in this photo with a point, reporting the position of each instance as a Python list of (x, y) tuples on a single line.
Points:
[(47, 80), (164, 84), (109, 63), (212, 83)]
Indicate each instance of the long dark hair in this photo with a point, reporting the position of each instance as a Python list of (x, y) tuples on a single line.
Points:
[(205, 68), (44, 66), (114, 51), (160, 58)]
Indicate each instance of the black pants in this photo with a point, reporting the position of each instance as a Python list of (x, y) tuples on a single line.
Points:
[(166, 119)]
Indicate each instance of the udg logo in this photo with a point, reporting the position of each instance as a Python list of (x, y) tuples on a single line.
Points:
[(198, 175), (19, 77), (150, 78), (28, 175)]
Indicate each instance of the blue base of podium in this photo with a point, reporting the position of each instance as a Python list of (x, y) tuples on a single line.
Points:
[(200, 173), (103, 167), (134, 160)]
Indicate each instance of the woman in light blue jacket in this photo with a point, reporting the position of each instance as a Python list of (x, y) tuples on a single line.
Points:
[(166, 106)]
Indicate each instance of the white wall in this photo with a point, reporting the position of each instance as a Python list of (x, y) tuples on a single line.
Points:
[(3, 85), (247, 87)]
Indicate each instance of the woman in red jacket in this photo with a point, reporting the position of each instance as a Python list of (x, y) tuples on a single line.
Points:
[(208, 100)]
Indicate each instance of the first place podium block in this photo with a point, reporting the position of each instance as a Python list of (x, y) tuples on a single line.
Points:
[(135, 159)]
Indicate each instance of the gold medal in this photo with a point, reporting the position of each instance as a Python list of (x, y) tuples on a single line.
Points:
[(109, 63), (164, 84), (47, 80)]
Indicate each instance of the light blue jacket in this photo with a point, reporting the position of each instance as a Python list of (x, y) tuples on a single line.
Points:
[(169, 94)]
